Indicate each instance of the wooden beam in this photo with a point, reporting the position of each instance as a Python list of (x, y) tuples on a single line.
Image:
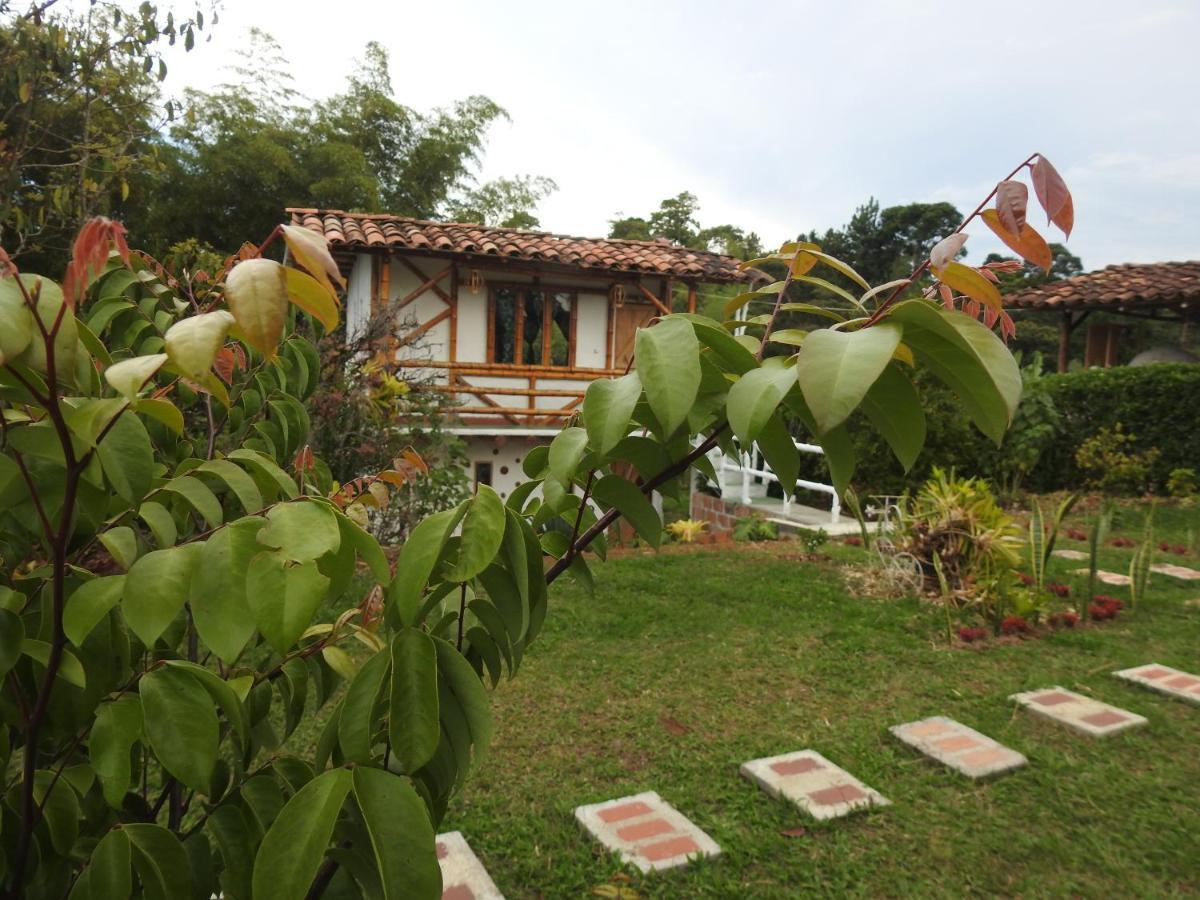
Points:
[(408, 264), (431, 284), (1064, 341), (463, 387), (385, 282), (510, 370), (376, 265), (424, 327), (650, 296), (521, 411), (453, 301)]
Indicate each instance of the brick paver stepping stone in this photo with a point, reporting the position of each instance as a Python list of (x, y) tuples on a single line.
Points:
[(1114, 578), (1182, 572), (646, 831), (1071, 554), (1165, 680), (1078, 712), (961, 748), (813, 783), (463, 875)]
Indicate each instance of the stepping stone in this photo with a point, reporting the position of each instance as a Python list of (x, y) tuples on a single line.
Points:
[(1071, 554), (1182, 572), (961, 748), (463, 875), (813, 783), (1165, 680), (1113, 578), (646, 831), (1078, 712)]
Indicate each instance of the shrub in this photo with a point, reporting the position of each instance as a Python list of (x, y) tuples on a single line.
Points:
[(1109, 463), (1181, 483), (755, 528), (687, 531)]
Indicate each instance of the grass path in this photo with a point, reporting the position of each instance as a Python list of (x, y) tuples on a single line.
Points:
[(683, 666)]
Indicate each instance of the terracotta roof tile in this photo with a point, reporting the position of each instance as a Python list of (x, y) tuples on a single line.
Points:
[(1129, 284), (346, 231)]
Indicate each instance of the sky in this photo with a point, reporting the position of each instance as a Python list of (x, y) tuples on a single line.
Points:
[(785, 116)]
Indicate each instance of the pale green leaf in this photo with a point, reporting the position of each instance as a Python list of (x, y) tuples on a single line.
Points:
[(626, 497), (755, 396), (301, 531), (292, 849), (894, 408), (401, 835), (283, 597), (837, 368), (482, 534), (413, 699), (667, 359), (88, 604), (155, 590), (181, 725)]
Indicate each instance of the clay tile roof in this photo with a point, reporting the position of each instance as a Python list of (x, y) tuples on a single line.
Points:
[(1129, 284), (347, 231)]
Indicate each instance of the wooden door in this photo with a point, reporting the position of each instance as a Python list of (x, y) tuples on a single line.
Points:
[(628, 318)]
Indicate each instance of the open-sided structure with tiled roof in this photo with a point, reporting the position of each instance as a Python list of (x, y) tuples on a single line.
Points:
[(1164, 292), (515, 324)]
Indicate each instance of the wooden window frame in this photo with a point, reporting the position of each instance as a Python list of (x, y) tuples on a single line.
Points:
[(522, 288)]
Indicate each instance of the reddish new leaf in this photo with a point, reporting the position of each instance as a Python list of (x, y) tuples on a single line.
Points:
[(945, 250), (1012, 199), (1053, 194), (1028, 244), (90, 254)]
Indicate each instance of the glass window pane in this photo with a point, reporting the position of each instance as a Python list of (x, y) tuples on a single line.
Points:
[(560, 329), (531, 336), (505, 327)]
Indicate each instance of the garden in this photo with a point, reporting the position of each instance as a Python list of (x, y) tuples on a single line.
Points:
[(261, 638)]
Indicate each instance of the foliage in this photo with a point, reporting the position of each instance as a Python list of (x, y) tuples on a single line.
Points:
[(505, 202), (247, 148), (1181, 483), (78, 104), (676, 221), (166, 578), (366, 419), (1042, 539), (755, 528), (1097, 532), (1110, 464), (965, 543), (1035, 428), (1139, 566), (686, 531)]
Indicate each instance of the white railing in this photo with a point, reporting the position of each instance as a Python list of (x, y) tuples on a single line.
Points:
[(745, 465)]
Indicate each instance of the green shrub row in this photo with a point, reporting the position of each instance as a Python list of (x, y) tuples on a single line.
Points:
[(1158, 405)]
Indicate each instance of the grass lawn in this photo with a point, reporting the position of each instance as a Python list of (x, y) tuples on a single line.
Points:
[(684, 665)]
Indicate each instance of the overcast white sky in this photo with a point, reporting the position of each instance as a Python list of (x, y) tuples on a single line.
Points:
[(784, 116)]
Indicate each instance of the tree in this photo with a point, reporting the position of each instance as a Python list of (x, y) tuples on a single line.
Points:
[(171, 543), (883, 244), (676, 221), (78, 111), (504, 202)]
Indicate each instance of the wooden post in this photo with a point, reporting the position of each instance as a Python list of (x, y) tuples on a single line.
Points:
[(1064, 341), (1110, 346), (385, 281), (691, 298)]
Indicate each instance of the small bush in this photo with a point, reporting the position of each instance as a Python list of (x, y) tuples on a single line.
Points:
[(1110, 463), (755, 528), (687, 531), (1181, 483)]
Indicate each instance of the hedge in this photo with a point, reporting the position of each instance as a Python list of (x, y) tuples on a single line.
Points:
[(1159, 405)]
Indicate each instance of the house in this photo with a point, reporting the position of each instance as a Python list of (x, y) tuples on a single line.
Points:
[(1166, 294), (514, 324)]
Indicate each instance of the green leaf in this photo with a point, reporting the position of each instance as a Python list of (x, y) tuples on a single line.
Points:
[(162, 526), (59, 805), (70, 669), (16, 321), (967, 357), (266, 467), (754, 397), (218, 588), (129, 376), (127, 458), (237, 480), (161, 862), (302, 531), (566, 452), (413, 704), (367, 548), (221, 693), (837, 368), (161, 410), (608, 407), (840, 456), (110, 870), (292, 850), (310, 296), (66, 341), (236, 844), (482, 534), (283, 597), (88, 604), (181, 725), (777, 446), (469, 696), (121, 543), (12, 636), (668, 365), (894, 408), (356, 723), (198, 495), (156, 588), (734, 356), (615, 491), (117, 728), (418, 556), (401, 835), (793, 337)]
